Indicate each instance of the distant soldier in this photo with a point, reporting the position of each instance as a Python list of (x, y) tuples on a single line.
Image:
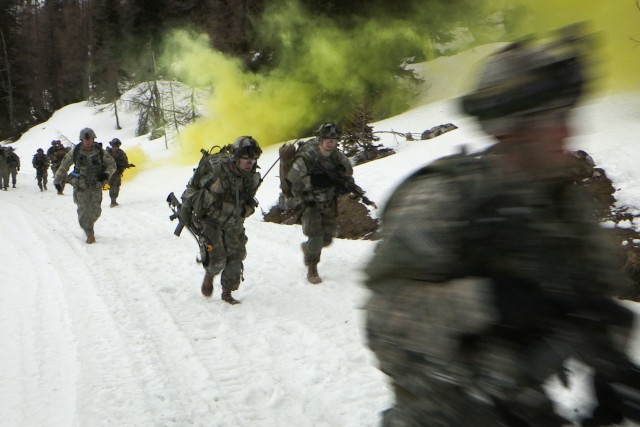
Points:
[(41, 164), (122, 163), (219, 196), (318, 176), (56, 153), (91, 169), (14, 165), (4, 169)]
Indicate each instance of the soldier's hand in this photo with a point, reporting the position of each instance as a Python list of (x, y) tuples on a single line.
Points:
[(103, 176), (131, 165)]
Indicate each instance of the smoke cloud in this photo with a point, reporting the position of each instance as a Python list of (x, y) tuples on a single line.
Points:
[(322, 67)]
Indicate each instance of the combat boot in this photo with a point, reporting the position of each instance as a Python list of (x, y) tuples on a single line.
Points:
[(14, 186), (226, 297), (207, 285), (113, 203), (91, 238), (45, 186), (312, 274), (40, 186)]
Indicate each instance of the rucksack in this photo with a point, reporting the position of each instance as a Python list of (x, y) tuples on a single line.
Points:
[(288, 152)]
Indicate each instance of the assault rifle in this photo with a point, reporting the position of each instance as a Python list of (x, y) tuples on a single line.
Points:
[(345, 184), (195, 228)]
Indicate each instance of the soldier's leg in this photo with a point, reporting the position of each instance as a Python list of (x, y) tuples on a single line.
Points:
[(14, 173), (312, 228), (89, 209), (217, 257), (329, 223), (235, 241), (114, 191), (44, 179)]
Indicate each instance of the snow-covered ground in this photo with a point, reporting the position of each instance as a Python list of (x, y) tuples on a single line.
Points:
[(118, 334)]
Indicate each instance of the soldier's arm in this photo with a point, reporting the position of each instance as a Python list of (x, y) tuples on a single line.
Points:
[(299, 178), (421, 234), (109, 164)]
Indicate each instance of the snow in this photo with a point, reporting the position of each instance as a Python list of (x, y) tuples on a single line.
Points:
[(118, 334)]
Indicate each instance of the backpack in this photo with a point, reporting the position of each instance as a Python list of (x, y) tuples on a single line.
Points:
[(288, 153), (208, 169)]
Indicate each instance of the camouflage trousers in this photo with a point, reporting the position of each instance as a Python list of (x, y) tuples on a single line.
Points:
[(114, 185), (89, 206), (4, 178), (229, 250), (430, 339), (41, 176), (319, 225), (13, 171)]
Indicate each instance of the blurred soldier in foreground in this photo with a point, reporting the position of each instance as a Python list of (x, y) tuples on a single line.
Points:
[(40, 163), (318, 171), (220, 196), (91, 169), (122, 163), (491, 273), (13, 161)]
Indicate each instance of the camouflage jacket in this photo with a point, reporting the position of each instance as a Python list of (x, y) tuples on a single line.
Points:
[(317, 177), (40, 161), (122, 161), (464, 216), (57, 154), (13, 160), (88, 164), (221, 193)]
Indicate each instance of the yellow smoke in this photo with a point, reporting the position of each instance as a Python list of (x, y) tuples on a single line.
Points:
[(322, 66), (615, 22), (138, 158)]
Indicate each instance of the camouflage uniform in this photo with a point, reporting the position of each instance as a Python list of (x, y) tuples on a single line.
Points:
[(491, 272), (122, 163), (87, 187), (41, 164), (4, 169), (220, 196), (14, 165), (56, 153), (535, 255), (315, 180)]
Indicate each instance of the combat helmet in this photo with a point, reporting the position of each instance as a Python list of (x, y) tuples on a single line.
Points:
[(527, 77), (245, 146), (328, 130), (115, 142), (87, 133)]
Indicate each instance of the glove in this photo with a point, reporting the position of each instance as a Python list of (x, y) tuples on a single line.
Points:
[(58, 187), (185, 215), (103, 176), (131, 165)]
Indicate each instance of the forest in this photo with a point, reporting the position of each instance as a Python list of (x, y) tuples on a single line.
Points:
[(57, 52)]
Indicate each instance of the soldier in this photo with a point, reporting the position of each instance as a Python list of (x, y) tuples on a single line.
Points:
[(56, 153), (13, 161), (91, 169), (122, 163), (317, 176), (41, 164), (220, 196), (4, 169), (491, 273)]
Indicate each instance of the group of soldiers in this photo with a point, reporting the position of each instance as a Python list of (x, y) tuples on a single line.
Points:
[(490, 274), (93, 169)]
